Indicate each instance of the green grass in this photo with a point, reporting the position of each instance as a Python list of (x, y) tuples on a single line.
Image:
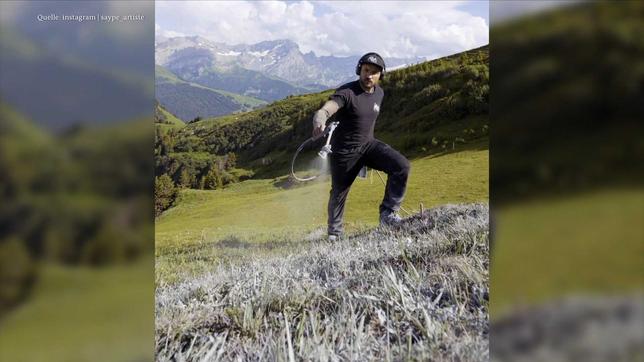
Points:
[(297, 102), (174, 122), (242, 208), (248, 102), (81, 314), (257, 212), (589, 243)]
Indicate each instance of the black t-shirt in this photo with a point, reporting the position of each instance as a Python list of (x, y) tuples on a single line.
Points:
[(357, 115)]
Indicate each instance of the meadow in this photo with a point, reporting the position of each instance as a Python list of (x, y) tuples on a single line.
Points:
[(210, 226), (246, 271), (243, 267), (79, 313), (582, 244)]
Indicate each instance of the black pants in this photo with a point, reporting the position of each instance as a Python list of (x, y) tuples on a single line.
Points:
[(345, 165)]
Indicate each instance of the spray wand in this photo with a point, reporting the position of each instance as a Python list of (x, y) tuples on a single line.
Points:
[(327, 147), (328, 132)]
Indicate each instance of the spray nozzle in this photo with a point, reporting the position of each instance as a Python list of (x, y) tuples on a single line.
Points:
[(325, 151), (327, 147)]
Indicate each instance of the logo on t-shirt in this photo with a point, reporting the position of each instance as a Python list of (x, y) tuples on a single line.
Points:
[(376, 107)]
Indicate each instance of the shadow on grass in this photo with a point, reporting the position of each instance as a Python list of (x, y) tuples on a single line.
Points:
[(227, 243), (233, 242)]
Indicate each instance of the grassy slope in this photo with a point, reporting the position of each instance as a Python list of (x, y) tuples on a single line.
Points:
[(550, 244), (419, 293), (21, 140), (258, 221), (582, 244), (174, 121), (77, 313), (547, 74), (164, 76), (257, 211), (168, 77), (80, 314), (299, 101)]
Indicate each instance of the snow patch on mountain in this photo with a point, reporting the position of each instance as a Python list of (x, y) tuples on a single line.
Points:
[(259, 54), (281, 59), (229, 53)]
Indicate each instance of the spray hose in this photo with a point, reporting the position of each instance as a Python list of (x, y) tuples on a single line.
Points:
[(328, 132)]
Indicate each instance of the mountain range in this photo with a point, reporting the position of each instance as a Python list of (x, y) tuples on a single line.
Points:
[(266, 71), (189, 100), (280, 59)]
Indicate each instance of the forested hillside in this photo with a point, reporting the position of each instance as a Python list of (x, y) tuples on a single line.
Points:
[(189, 100), (69, 199), (165, 118), (568, 99)]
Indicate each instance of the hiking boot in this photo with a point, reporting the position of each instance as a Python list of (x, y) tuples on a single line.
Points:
[(390, 218)]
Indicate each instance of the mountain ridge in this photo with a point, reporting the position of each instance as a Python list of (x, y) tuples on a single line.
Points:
[(188, 100), (269, 71), (281, 58)]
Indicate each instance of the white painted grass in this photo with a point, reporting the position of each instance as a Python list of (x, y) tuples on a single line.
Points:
[(416, 293)]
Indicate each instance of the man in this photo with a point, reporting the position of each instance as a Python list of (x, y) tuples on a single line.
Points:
[(353, 145)]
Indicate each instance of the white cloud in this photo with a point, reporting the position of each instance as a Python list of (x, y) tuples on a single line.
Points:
[(171, 34), (272, 12), (402, 29)]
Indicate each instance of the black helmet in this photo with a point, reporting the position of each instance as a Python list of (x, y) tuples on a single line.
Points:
[(372, 58)]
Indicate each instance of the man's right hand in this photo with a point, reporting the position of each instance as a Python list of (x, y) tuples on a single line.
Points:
[(320, 117), (318, 131)]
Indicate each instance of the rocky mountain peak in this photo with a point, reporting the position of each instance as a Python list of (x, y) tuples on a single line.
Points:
[(275, 44), (280, 58)]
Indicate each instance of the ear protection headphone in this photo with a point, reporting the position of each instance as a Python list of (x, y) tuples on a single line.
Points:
[(372, 58)]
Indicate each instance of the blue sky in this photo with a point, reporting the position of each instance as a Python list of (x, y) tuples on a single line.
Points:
[(478, 8), (342, 28)]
